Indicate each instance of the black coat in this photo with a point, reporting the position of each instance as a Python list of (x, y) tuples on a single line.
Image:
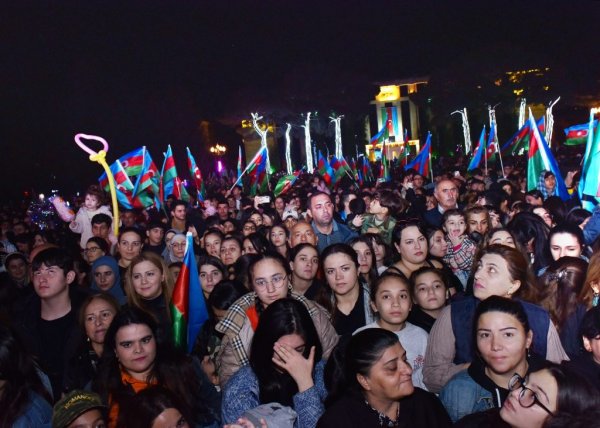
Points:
[(27, 327), (421, 409)]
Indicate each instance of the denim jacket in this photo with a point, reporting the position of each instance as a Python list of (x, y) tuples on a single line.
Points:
[(462, 396), (38, 413)]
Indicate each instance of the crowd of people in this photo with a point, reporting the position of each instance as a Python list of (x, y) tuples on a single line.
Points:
[(467, 301)]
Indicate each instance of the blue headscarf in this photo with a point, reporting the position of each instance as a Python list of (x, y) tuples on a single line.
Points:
[(116, 291)]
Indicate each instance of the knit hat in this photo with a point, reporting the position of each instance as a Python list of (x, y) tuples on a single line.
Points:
[(74, 404)]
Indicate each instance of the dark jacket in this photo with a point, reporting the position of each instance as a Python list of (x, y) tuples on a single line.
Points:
[(27, 327), (420, 409), (462, 324), (585, 365)]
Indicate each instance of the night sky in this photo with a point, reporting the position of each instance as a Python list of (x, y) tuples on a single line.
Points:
[(147, 73)]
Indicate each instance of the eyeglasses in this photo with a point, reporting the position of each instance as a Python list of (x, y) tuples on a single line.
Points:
[(527, 397), (91, 250), (276, 280)]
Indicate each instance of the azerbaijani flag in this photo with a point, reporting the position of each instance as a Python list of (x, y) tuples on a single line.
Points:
[(285, 183), (384, 132), (589, 185), (239, 163), (578, 134), (520, 140), (196, 174), (168, 174), (259, 178), (478, 155), (188, 308), (421, 162), (123, 185), (325, 170), (133, 161), (148, 175), (540, 159), (492, 144), (384, 171)]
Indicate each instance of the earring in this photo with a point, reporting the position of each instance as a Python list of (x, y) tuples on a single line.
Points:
[(528, 353), (596, 299)]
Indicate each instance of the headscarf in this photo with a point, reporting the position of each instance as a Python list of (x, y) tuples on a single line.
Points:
[(171, 258), (116, 291), (541, 186)]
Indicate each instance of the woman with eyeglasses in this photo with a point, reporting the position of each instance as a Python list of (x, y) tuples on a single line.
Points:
[(95, 317), (95, 248), (149, 286), (535, 400), (285, 367), (503, 337), (176, 248), (106, 278), (269, 277)]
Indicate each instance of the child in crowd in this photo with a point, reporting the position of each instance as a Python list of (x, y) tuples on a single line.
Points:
[(430, 291), (391, 299), (92, 205), (461, 249)]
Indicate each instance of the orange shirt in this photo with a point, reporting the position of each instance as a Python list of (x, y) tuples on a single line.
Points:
[(137, 385)]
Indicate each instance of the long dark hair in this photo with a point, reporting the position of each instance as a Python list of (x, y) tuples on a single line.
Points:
[(368, 241), (19, 372), (172, 369), (148, 404), (283, 317), (526, 226), (562, 284), (360, 354), (518, 268), (576, 394), (325, 296)]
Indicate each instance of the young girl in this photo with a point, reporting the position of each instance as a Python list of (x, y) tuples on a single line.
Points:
[(461, 250), (430, 291), (279, 239), (92, 205), (392, 301)]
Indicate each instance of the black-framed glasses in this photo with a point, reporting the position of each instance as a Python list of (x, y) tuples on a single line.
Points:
[(527, 397)]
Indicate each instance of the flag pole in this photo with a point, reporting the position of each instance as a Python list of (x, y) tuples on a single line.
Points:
[(430, 167), (251, 163)]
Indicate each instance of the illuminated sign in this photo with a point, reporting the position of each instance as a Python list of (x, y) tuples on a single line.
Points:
[(388, 93)]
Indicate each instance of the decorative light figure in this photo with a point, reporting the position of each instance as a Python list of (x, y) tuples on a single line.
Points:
[(310, 167), (550, 122), (263, 137), (288, 157), (522, 107), (465, 126), (338, 136)]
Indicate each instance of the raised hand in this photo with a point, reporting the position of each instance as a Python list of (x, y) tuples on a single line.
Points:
[(293, 362)]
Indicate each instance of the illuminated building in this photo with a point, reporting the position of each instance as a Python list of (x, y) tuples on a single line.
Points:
[(393, 103)]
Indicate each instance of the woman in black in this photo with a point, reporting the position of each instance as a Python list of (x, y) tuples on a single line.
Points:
[(373, 387)]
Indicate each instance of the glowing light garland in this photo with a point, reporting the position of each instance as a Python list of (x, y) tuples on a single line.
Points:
[(522, 107), (550, 122), (465, 126), (288, 157), (338, 136), (263, 136), (310, 166)]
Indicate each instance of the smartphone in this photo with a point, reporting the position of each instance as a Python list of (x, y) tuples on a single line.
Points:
[(456, 173)]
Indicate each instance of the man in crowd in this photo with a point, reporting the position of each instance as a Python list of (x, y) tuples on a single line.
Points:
[(327, 230)]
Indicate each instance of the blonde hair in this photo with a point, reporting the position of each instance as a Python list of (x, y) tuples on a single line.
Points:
[(166, 285)]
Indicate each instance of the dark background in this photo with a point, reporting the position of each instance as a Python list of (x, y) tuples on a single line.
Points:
[(185, 73)]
